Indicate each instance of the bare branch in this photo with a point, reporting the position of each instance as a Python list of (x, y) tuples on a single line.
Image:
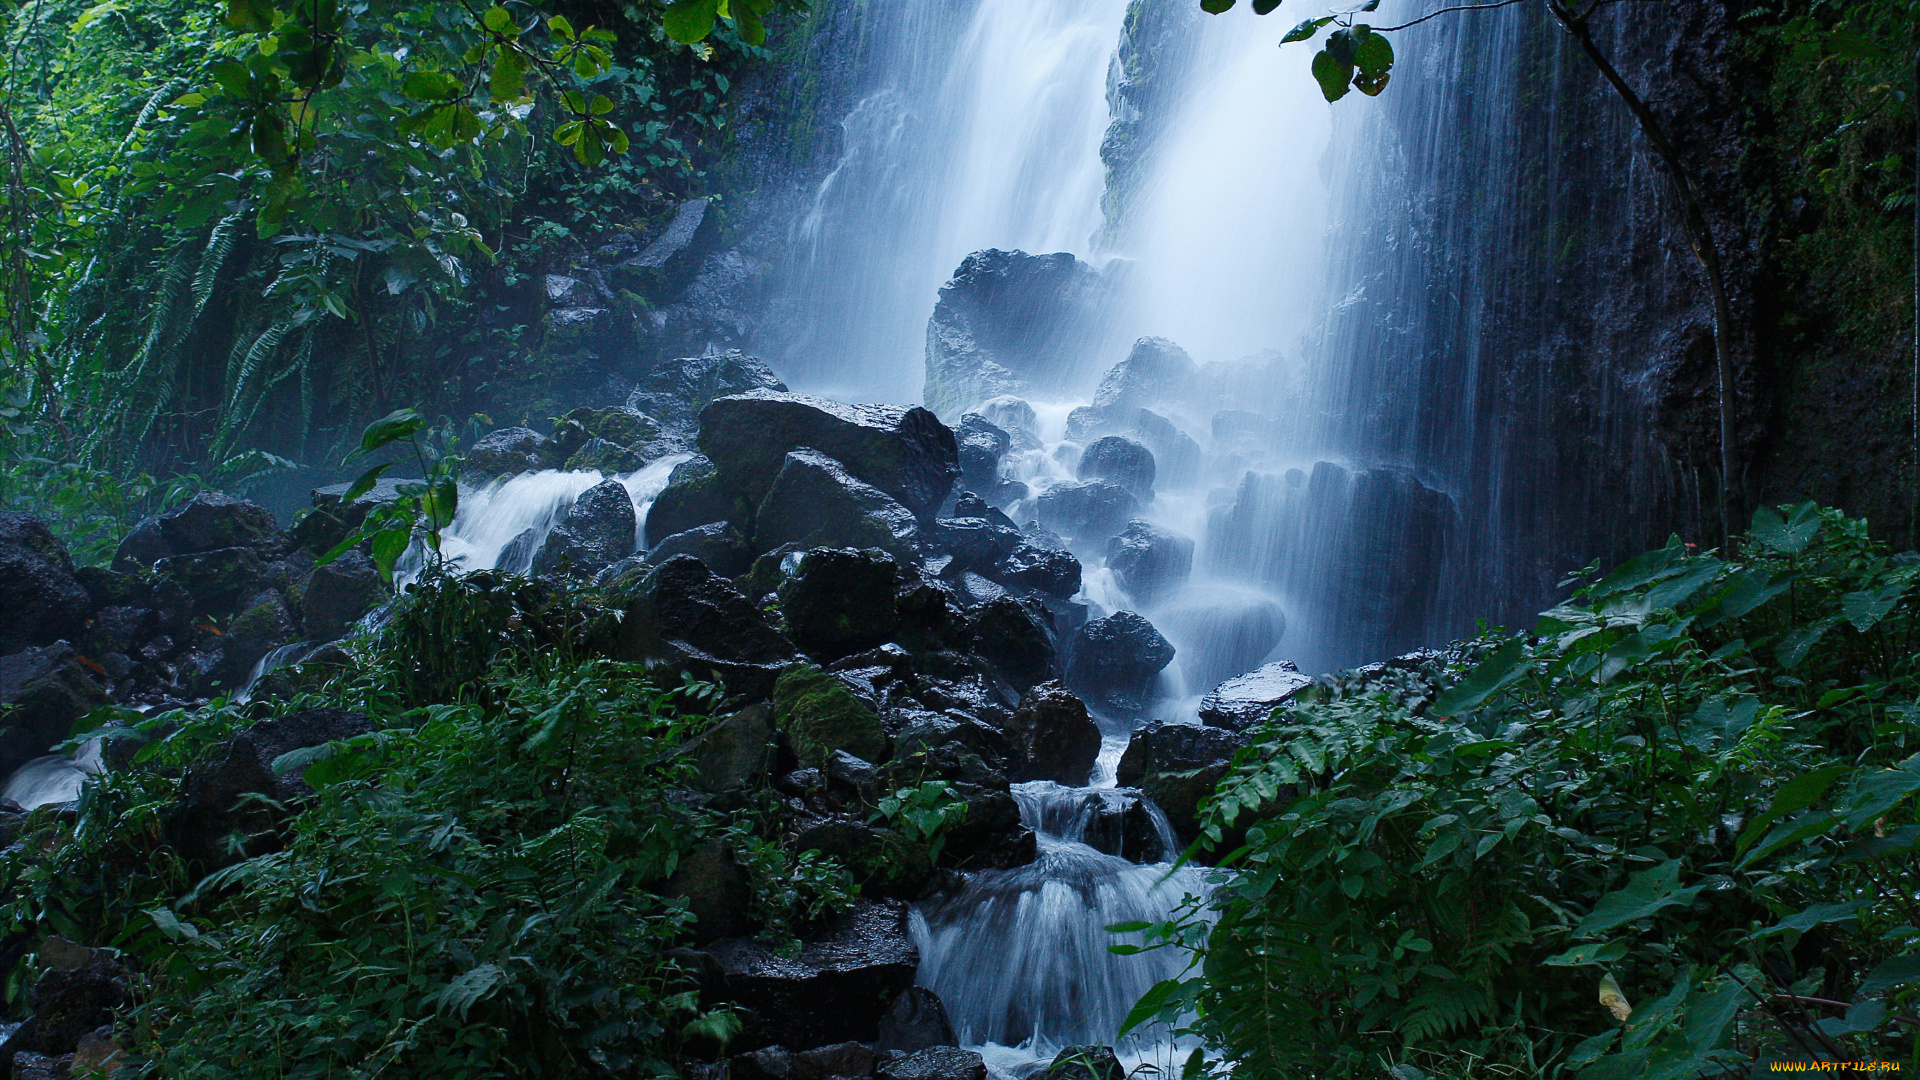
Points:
[(1447, 11)]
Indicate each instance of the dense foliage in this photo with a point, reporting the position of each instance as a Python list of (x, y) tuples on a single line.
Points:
[(476, 887), (1669, 833)]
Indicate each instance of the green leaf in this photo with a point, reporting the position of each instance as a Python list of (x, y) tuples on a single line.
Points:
[(1150, 1003), (1718, 722), (1788, 536), (1643, 569), (1593, 952), (1796, 643), (1802, 921), (1874, 792), (1306, 29), (1216, 7), (440, 501), (1795, 795), (463, 993), (1794, 830), (1508, 664), (171, 926), (1645, 894), (508, 81), (1341, 45), (387, 547), (1265, 7), (1373, 56), (432, 86), (396, 425), (363, 485), (497, 20), (1862, 1016), (747, 23), (690, 21), (559, 27), (254, 15), (1898, 971), (1866, 608)]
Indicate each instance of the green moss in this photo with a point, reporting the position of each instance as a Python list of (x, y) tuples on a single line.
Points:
[(820, 716)]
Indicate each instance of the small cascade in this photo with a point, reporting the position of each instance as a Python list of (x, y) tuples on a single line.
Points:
[(54, 778), (1020, 957), (284, 656)]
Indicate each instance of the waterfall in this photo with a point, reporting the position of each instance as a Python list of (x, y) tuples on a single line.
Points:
[(54, 778)]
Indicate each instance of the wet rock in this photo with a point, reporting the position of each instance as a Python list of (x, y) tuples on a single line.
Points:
[(1240, 628), (509, 452), (680, 612), (966, 504), (595, 532), (72, 1001), (209, 813), (991, 836), (982, 445), (841, 600), (735, 753), (338, 594), (1119, 823), (1246, 700), (144, 545), (694, 496), (1177, 457), (930, 615), (620, 427), (906, 452), (218, 581), (211, 521), (820, 715), (766, 1063), (98, 1054), (1015, 417), (917, 1020), (111, 588), (847, 1059), (119, 630), (953, 744), (1088, 512), (835, 991), (42, 599), (264, 625), (1017, 637), (715, 889), (1119, 460), (717, 544), (977, 543), (676, 390), (1009, 323), (42, 692), (1150, 562), (1086, 1062), (600, 455), (1155, 370), (1115, 661), (936, 1063), (1050, 570), (1054, 737), (814, 502), (1177, 765)]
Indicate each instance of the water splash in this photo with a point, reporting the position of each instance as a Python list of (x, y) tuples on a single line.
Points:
[(54, 778)]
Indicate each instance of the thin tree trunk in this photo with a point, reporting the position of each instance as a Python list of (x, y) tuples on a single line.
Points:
[(1913, 517), (1700, 239)]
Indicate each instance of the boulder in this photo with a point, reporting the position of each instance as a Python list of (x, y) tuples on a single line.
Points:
[(595, 532), (715, 890), (1087, 512), (906, 452), (982, 444), (509, 452), (143, 546), (42, 692), (681, 613), (991, 836), (836, 989), (604, 457), (840, 601), (1054, 737), (75, 997), (1177, 765), (840, 1060), (977, 543), (936, 1063), (1155, 370), (618, 426), (1115, 661), (1086, 1062), (735, 753), (814, 502), (676, 390), (120, 629), (1117, 821), (1010, 323), (262, 626), (1239, 626), (210, 809), (1050, 570), (1119, 460), (42, 599), (338, 594), (766, 1063), (218, 581), (916, 1021), (1178, 459), (718, 544), (694, 496), (1246, 700), (820, 715), (1150, 562), (1015, 417), (211, 521), (1016, 636)]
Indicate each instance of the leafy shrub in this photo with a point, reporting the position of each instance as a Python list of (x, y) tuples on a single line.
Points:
[(1668, 834)]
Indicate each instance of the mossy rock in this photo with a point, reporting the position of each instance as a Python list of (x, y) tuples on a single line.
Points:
[(820, 715)]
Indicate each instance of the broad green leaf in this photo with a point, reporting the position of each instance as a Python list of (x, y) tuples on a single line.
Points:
[(508, 81), (1677, 590), (559, 27), (1593, 952), (171, 926), (396, 425), (1373, 57), (1865, 608), (497, 19), (1898, 971), (1804, 826), (1642, 569), (387, 547), (1265, 7), (463, 993), (1215, 7), (1796, 643), (1862, 1016), (363, 485), (1795, 795), (1802, 921), (1645, 894), (255, 15), (440, 502), (1877, 791), (1306, 29), (1718, 722), (1332, 75), (1508, 665), (432, 86), (690, 21), (1788, 536), (1150, 1003)]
